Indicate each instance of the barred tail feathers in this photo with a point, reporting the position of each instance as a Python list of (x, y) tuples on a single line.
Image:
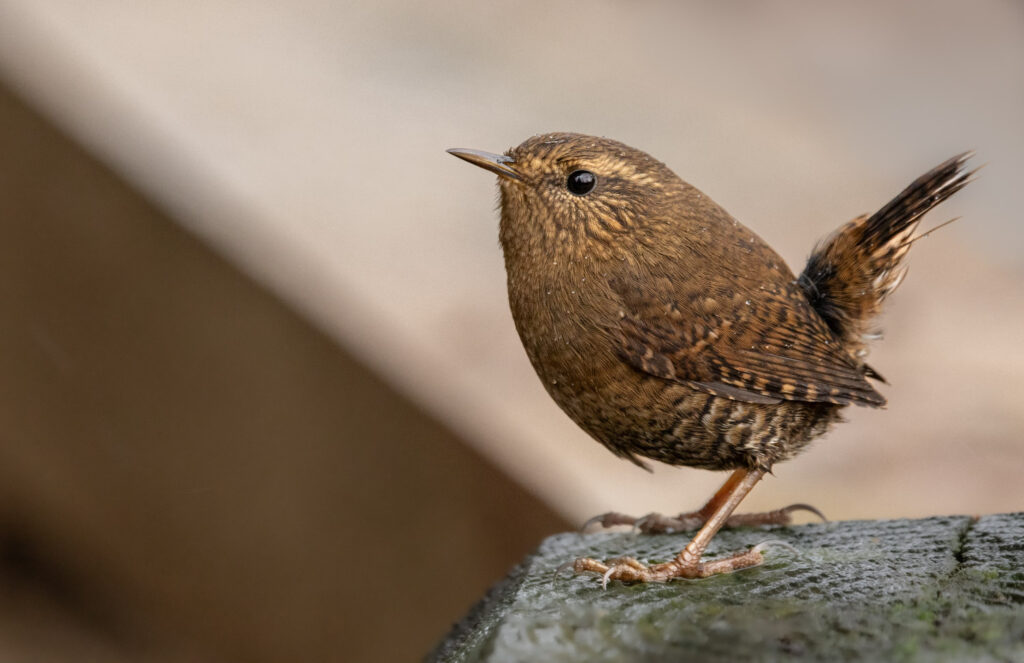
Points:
[(850, 273)]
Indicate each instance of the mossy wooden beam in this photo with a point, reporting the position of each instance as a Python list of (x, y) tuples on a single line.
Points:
[(935, 589)]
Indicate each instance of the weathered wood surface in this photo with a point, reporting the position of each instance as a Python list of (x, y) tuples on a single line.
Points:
[(936, 589)]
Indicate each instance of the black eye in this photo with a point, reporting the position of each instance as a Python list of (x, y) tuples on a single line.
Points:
[(581, 182)]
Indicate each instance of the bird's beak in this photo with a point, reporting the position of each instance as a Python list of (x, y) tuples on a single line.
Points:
[(496, 163)]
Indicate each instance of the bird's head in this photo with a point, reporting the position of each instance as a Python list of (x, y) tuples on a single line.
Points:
[(566, 194)]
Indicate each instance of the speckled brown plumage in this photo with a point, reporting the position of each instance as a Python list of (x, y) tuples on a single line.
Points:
[(668, 330)]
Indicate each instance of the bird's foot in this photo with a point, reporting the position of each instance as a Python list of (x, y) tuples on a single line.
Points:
[(629, 569), (656, 523), (783, 516), (652, 523)]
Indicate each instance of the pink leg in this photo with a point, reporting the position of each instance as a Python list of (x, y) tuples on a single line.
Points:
[(688, 564)]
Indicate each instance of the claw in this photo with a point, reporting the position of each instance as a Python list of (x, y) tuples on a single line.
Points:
[(805, 507), (759, 548), (610, 519)]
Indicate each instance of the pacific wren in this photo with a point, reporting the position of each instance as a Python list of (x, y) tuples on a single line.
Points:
[(668, 330)]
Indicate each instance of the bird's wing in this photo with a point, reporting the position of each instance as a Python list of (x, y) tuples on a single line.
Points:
[(761, 346)]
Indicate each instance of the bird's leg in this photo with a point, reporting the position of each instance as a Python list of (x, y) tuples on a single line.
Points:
[(688, 564), (656, 523)]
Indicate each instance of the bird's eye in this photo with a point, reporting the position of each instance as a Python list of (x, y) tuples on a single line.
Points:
[(581, 182)]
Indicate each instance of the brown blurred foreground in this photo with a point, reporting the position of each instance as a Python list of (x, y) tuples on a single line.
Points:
[(188, 471)]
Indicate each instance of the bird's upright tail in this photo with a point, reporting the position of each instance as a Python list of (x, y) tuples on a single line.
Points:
[(850, 274)]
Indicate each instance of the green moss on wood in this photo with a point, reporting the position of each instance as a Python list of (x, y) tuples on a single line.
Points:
[(939, 589)]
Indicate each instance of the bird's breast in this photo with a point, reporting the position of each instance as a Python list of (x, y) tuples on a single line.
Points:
[(565, 319)]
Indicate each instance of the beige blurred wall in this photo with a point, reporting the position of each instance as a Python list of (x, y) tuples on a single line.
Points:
[(304, 141), (188, 470)]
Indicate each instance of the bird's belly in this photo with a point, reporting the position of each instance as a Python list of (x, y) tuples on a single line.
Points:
[(633, 414)]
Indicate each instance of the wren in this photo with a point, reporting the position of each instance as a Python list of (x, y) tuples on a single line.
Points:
[(668, 330)]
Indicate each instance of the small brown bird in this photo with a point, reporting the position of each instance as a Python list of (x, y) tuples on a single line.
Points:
[(668, 330)]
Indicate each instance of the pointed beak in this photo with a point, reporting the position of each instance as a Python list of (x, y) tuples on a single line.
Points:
[(496, 163)]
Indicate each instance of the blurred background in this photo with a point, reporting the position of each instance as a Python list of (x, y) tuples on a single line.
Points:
[(261, 398)]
